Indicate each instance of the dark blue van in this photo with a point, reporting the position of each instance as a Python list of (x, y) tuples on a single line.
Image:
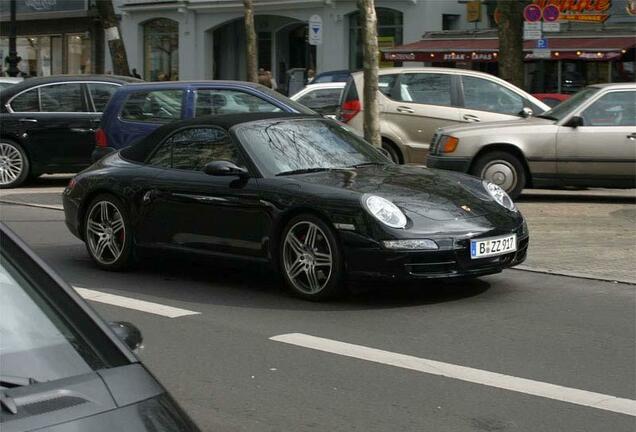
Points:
[(136, 110)]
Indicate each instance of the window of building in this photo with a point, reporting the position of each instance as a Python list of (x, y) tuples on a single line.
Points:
[(160, 106), (161, 50), (450, 22), (390, 27)]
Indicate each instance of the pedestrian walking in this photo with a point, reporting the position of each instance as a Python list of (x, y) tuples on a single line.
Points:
[(135, 74)]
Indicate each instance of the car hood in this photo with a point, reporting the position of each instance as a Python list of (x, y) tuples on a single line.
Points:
[(473, 128), (420, 192)]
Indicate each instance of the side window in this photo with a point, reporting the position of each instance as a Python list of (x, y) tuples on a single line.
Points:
[(425, 88), (26, 102), (192, 149), (154, 106), (101, 93), (219, 101), (484, 95), (386, 84), (612, 109), (62, 98), (324, 101)]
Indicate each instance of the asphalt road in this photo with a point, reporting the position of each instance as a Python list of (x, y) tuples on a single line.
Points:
[(224, 369)]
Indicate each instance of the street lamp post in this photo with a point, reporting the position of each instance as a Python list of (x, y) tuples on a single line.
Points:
[(13, 58)]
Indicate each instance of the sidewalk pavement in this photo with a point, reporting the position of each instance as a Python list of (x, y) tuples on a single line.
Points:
[(584, 233)]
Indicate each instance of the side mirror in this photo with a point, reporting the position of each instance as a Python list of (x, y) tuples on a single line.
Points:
[(224, 168), (526, 112), (128, 333), (574, 122)]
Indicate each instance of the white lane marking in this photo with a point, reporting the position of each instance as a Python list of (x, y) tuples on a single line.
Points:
[(131, 303), (463, 373)]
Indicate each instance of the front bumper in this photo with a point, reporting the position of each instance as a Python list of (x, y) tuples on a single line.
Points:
[(449, 262), (448, 163)]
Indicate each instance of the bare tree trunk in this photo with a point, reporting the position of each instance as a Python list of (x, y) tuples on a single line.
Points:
[(371, 52), (250, 42), (511, 41), (113, 36)]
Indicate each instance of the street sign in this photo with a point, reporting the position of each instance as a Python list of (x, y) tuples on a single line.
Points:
[(315, 30), (542, 43), (551, 13), (541, 53), (527, 26), (532, 13), (552, 27), (532, 30)]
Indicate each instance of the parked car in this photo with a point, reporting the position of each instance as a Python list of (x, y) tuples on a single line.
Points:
[(322, 98), (588, 140), (136, 110), (48, 124), (332, 76), (63, 368), (414, 102), (8, 82), (302, 193), (551, 99)]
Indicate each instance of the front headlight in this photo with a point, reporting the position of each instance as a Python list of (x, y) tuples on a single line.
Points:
[(384, 211), (499, 195)]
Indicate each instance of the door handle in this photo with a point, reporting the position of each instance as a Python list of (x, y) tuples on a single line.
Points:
[(471, 118), (632, 136), (28, 120), (404, 109)]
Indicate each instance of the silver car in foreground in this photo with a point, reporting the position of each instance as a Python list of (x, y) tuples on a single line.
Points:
[(588, 140)]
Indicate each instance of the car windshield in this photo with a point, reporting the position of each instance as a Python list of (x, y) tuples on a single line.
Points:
[(304, 145), (564, 108), (37, 343)]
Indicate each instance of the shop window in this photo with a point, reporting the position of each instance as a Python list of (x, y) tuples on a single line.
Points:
[(78, 54), (450, 22), (161, 50), (390, 30)]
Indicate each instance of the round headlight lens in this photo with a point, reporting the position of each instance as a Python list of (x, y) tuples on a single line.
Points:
[(384, 211), (499, 195)]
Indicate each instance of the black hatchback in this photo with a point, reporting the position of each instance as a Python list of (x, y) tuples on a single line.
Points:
[(61, 367), (49, 123)]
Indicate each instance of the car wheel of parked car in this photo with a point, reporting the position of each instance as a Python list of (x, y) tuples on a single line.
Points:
[(503, 169), (311, 258), (107, 233), (14, 164), (393, 152)]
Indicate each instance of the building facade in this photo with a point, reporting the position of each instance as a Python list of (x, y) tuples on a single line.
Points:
[(205, 39)]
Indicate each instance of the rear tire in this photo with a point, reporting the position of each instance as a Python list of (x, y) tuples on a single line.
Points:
[(107, 233), (503, 169), (14, 164), (310, 259)]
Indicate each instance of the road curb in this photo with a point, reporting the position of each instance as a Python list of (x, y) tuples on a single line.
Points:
[(28, 204), (573, 274)]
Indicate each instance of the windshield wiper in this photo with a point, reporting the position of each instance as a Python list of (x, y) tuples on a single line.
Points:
[(302, 171), (549, 117), (367, 164), (8, 381)]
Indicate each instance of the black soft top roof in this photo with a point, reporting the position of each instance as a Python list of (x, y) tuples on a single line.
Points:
[(140, 151)]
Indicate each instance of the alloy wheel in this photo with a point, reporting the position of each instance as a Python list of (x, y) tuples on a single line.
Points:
[(307, 257), (502, 173), (105, 232), (11, 164)]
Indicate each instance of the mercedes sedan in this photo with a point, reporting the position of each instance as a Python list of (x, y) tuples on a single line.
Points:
[(303, 193)]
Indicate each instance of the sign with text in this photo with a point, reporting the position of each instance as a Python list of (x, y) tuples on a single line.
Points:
[(577, 10), (315, 30), (473, 11), (552, 27)]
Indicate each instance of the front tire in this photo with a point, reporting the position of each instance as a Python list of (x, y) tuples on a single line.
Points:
[(310, 259), (14, 164), (503, 169), (107, 233), (393, 152)]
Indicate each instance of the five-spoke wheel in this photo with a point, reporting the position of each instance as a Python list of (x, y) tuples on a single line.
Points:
[(14, 165), (311, 258), (106, 235)]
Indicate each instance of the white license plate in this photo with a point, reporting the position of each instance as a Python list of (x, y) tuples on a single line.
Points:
[(493, 246)]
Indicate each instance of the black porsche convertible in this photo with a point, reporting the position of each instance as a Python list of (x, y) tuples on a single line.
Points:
[(303, 193)]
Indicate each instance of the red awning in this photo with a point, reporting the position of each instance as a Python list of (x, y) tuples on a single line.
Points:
[(486, 49)]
